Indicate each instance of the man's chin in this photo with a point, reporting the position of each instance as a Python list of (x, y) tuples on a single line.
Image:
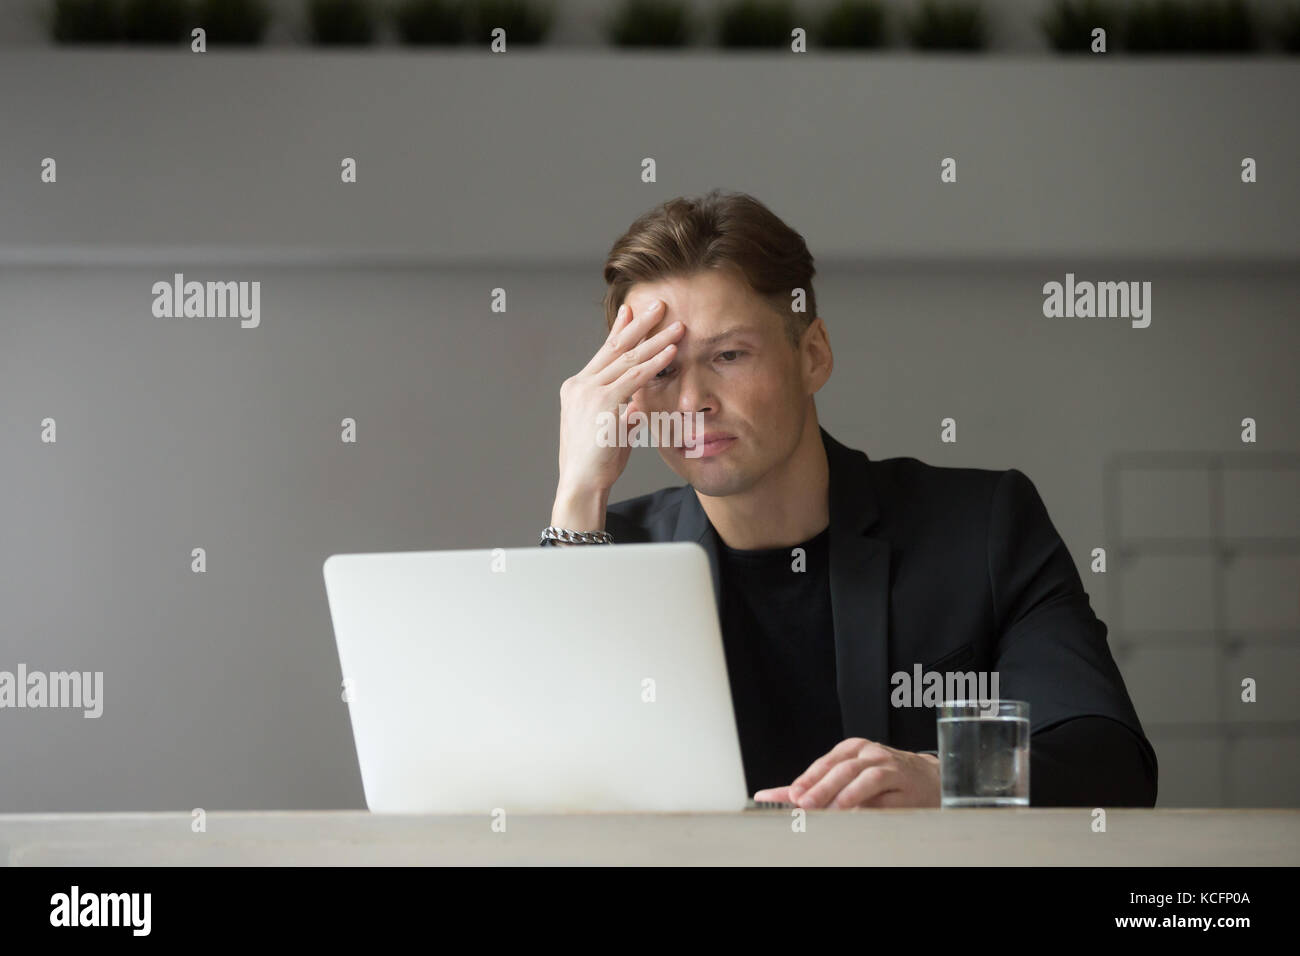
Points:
[(711, 476), (717, 485)]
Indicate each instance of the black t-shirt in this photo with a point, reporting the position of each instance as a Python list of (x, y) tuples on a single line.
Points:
[(779, 637)]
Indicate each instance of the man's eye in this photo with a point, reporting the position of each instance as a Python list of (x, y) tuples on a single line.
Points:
[(660, 374), (732, 353)]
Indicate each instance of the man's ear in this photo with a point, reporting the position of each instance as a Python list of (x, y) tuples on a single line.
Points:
[(815, 353)]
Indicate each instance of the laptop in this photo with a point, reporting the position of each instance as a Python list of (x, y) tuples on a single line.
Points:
[(537, 680)]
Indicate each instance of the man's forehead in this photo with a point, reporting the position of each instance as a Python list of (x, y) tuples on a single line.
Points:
[(710, 306), (712, 289)]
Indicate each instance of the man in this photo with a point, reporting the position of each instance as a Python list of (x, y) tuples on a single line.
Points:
[(833, 572)]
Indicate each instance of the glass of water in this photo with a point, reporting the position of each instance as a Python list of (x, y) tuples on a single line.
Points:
[(984, 753)]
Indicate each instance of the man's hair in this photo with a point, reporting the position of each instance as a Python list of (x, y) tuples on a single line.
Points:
[(721, 230)]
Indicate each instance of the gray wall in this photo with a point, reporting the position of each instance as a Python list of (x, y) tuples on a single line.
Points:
[(222, 689), (536, 157)]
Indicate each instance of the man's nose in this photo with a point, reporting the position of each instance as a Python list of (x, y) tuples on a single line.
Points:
[(694, 394)]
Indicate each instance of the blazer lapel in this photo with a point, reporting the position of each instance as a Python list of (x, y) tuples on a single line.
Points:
[(693, 525), (859, 595)]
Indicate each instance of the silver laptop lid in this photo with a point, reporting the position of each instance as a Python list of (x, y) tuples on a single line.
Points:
[(537, 679)]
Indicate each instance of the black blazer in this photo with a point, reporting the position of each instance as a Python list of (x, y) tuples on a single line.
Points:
[(953, 569)]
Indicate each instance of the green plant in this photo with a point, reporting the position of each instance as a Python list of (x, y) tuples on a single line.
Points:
[(1288, 28), (756, 23), (525, 21), (1177, 26), (156, 21), (659, 23), (233, 21), (854, 23), (341, 22), (1069, 24), (430, 22), (1224, 26), (1157, 26), (86, 21), (947, 25)]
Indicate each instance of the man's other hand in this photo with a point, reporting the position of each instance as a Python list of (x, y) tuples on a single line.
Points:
[(861, 773)]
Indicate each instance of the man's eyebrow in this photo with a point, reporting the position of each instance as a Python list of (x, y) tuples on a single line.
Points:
[(726, 334)]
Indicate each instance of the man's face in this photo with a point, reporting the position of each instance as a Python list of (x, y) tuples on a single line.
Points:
[(736, 365)]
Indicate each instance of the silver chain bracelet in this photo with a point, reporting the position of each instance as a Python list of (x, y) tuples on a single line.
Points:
[(552, 533)]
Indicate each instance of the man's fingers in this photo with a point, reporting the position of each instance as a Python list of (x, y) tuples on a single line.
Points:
[(641, 353), (817, 769), (774, 795), (625, 336), (626, 385), (636, 326), (824, 792), (871, 785), (601, 358)]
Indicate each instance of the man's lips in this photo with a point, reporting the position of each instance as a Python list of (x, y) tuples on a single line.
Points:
[(711, 443)]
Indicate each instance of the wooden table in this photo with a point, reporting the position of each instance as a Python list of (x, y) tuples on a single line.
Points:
[(1016, 837)]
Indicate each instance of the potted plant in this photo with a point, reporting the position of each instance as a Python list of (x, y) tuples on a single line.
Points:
[(1069, 24), (857, 24), (1289, 28), (341, 22), (85, 21), (948, 25), (1177, 26), (525, 21), (156, 21), (651, 23), (756, 23), (230, 22), (430, 22)]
